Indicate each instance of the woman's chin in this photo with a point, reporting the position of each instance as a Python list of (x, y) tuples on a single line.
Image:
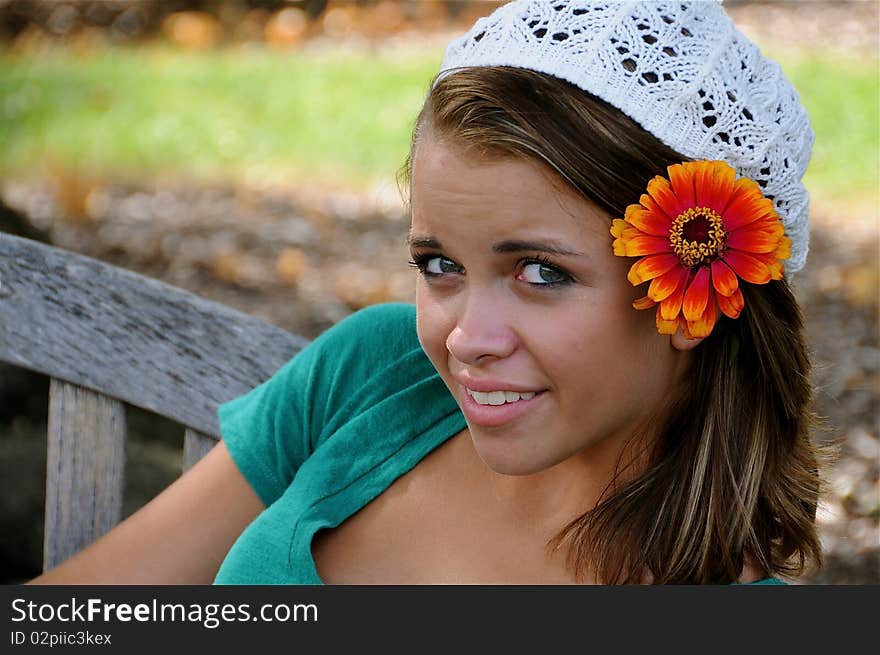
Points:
[(506, 459)]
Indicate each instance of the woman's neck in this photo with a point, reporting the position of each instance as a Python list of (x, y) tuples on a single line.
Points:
[(551, 498)]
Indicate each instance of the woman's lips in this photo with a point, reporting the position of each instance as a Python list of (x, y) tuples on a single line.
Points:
[(491, 416)]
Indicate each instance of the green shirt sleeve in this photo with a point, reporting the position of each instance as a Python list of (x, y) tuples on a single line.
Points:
[(272, 429)]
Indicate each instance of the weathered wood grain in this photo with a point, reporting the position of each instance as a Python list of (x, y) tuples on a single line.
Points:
[(195, 446), (85, 469), (131, 337)]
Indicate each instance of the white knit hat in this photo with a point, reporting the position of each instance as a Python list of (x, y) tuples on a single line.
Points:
[(680, 69)]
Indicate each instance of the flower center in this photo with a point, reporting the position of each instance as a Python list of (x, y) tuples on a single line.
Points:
[(697, 236)]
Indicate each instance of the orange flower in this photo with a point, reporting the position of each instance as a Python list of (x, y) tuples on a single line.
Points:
[(697, 234)]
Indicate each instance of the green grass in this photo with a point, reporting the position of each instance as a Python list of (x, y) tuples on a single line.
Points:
[(132, 113), (158, 112), (842, 97)]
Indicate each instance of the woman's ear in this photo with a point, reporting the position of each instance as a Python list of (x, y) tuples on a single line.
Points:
[(681, 342)]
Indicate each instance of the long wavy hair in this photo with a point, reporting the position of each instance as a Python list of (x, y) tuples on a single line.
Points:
[(733, 474)]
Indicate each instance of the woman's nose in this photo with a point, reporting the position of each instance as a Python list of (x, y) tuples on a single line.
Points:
[(481, 331)]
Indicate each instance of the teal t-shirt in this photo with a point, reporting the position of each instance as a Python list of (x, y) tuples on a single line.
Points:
[(330, 431)]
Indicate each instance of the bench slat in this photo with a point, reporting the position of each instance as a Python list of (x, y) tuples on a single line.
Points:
[(131, 337), (106, 336), (195, 446), (85, 473)]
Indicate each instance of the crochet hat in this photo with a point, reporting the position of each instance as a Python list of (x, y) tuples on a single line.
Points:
[(680, 69)]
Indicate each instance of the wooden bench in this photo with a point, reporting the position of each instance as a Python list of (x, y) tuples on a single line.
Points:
[(105, 337)]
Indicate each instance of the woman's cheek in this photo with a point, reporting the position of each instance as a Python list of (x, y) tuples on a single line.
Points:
[(431, 332)]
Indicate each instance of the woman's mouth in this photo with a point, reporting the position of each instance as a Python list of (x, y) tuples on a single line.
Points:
[(499, 397), (495, 408)]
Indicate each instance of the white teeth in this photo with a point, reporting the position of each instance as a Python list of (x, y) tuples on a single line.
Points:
[(511, 396), (499, 397)]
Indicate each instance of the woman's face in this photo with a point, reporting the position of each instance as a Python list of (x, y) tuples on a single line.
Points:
[(521, 301)]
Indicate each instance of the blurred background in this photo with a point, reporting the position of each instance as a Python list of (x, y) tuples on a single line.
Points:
[(247, 150)]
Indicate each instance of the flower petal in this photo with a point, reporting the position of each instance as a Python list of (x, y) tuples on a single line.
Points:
[(682, 181), (723, 279), (698, 172), (648, 221), (752, 241), (748, 267), (702, 327), (618, 225), (652, 206), (731, 305), (768, 225), (773, 264), (784, 249), (646, 245), (646, 302), (746, 205), (684, 328), (647, 268), (661, 192), (664, 326), (665, 285), (671, 306), (624, 233), (716, 185), (697, 295)]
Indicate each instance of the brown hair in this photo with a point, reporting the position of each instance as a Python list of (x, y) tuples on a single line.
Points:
[(733, 473)]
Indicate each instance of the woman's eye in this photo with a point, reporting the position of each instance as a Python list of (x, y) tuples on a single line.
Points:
[(436, 265), (440, 265), (537, 273)]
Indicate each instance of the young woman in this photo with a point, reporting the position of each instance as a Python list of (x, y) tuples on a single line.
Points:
[(603, 378)]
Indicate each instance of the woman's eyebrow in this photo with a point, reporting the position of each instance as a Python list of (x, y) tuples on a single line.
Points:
[(427, 241), (423, 241), (522, 246)]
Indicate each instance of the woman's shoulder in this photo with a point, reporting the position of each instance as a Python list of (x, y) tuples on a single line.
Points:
[(355, 366), (377, 345), (382, 314), (392, 324)]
